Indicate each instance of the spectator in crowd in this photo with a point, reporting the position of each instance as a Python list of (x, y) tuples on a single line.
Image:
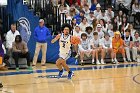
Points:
[(98, 10), (73, 23), (136, 47), (124, 25), (136, 11), (106, 43), (118, 46), (86, 10), (109, 13), (72, 12), (104, 25), (96, 45), (94, 24), (10, 37), (110, 30), (120, 17), (90, 17), (103, 16), (132, 33), (100, 31), (85, 49), (128, 43), (79, 17), (89, 32), (93, 5), (77, 32), (41, 34), (83, 24), (20, 50), (115, 23)]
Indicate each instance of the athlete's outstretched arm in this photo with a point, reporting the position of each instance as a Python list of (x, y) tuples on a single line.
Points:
[(56, 38)]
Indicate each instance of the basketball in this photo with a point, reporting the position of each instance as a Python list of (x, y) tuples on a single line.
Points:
[(75, 40)]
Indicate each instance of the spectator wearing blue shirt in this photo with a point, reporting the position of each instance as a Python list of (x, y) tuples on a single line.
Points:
[(41, 34), (79, 17)]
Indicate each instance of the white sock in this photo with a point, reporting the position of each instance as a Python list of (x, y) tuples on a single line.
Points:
[(115, 59), (124, 59), (92, 60), (112, 60), (81, 61)]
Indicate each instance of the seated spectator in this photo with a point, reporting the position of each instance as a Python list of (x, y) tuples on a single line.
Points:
[(86, 10), (84, 48), (79, 17), (95, 44), (136, 11), (100, 31), (89, 32), (94, 24), (77, 32), (10, 37), (106, 43), (103, 16), (132, 33), (128, 43), (104, 25), (123, 25), (83, 24), (136, 47), (118, 46), (93, 6), (98, 10), (20, 50), (110, 30), (115, 23), (90, 17), (109, 13), (73, 23), (119, 17)]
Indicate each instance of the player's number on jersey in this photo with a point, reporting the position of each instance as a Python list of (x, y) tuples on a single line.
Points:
[(64, 44)]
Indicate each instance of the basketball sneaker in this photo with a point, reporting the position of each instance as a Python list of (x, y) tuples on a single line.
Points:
[(70, 74), (60, 74)]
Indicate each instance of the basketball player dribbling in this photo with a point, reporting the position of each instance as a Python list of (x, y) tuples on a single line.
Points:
[(64, 51)]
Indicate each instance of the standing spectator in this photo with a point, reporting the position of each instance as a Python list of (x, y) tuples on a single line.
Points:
[(41, 34), (128, 43), (118, 46), (136, 47), (10, 37), (20, 50), (83, 24)]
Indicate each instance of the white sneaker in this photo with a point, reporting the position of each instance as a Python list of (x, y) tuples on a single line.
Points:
[(138, 60), (102, 61), (98, 63), (93, 61), (116, 61)]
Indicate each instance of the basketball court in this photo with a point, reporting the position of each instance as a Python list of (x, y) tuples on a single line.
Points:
[(118, 78)]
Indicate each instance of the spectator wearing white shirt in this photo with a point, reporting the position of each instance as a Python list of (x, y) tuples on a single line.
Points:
[(136, 47), (89, 32), (109, 13), (99, 31), (83, 24), (77, 32), (132, 33), (10, 37), (96, 46), (104, 25), (91, 17), (86, 10), (98, 10), (110, 30), (103, 16), (106, 43), (84, 48)]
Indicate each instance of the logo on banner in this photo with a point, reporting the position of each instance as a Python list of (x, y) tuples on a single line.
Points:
[(24, 29)]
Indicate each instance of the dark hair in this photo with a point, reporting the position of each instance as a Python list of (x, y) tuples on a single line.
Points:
[(104, 22), (83, 35), (128, 30), (136, 32), (95, 33), (83, 18), (88, 28), (20, 38), (66, 25)]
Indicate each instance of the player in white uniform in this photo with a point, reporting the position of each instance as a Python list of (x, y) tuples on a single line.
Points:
[(95, 43), (84, 48), (106, 43), (65, 44)]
